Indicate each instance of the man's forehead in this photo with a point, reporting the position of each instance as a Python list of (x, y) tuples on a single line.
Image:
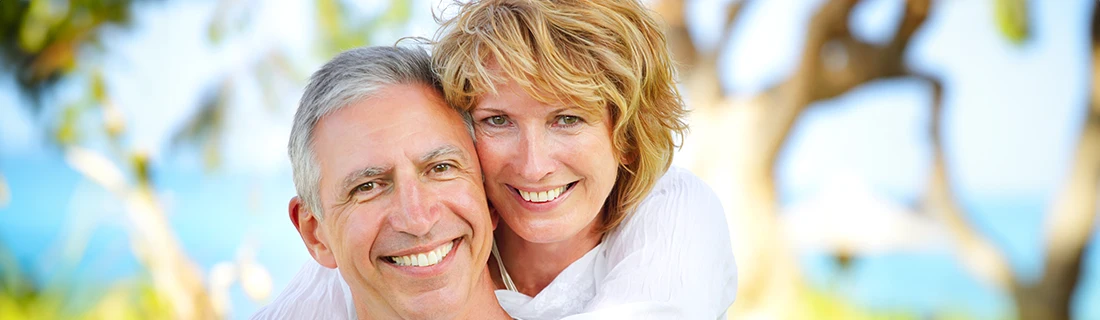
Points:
[(417, 153), (428, 148), (406, 120), (398, 110), (397, 143)]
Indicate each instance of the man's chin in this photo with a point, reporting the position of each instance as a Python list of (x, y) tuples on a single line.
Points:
[(440, 291), (440, 297), (444, 303)]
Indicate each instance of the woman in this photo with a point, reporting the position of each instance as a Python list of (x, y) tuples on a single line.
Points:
[(576, 115)]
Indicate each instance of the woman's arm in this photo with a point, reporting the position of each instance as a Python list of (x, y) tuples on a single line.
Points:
[(315, 292)]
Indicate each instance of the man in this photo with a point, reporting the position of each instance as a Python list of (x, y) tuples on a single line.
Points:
[(390, 191)]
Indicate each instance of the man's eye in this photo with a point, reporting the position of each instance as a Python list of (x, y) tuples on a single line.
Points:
[(366, 187), (441, 168), (568, 120), (497, 120)]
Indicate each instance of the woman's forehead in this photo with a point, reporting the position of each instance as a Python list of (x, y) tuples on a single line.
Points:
[(511, 97)]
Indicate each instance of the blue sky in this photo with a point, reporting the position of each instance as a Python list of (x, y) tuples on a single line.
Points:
[(1013, 112)]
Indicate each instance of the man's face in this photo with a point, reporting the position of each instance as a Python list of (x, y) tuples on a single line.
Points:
[(405, 214)]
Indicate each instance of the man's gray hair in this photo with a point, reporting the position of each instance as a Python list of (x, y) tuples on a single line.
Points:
[(351, 76)]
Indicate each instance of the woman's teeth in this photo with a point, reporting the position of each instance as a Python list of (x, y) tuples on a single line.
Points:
[(424, 260), (543, 196)]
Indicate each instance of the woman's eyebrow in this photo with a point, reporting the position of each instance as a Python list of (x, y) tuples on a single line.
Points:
[(574, 109), (483, 109)]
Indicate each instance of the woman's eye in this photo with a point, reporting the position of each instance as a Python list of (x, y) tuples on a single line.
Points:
[(497, 120), (568, 120)]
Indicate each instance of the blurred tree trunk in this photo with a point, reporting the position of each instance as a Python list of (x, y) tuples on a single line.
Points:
[(831, 64), (175, 277), (768, 272), (1072, 218)]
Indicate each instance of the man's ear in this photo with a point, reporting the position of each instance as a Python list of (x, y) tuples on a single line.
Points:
[(310, 229)]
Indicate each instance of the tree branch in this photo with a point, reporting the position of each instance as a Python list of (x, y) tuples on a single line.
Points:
[(733, 14), (697, 68), (977, 254), (1072, 219), (833, 63)]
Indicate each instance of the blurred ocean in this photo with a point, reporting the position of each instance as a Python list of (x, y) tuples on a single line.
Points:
[(250, 210)]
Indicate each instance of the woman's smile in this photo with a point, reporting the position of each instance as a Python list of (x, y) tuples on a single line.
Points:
[(543, 200)]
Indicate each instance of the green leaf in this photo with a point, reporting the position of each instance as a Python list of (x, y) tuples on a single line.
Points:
[(205, 127), (331, 25), (139, 161), (99, 86), (5, 199), (211, 155), (1012, 20), (68, 130), (398, 13), (214, 32)]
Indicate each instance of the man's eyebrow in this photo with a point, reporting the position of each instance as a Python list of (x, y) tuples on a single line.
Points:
[(355, 176), (442, 151)]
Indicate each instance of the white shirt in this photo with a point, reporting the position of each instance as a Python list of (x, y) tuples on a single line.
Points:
[(670, 259)]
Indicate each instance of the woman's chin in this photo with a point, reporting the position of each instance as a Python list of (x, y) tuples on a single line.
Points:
[(547, 230)]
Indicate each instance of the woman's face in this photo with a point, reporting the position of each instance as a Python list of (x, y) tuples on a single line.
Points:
[(548, 167)]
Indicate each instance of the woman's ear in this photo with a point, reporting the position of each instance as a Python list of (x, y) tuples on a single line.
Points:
[(494, 216), (627, 158), (312, 232)]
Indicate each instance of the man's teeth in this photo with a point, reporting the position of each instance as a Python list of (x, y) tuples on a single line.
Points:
[(543, 196), (425, 259)]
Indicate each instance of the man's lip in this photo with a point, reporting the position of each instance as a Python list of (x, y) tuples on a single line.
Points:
[(425, 248), (429, 271)]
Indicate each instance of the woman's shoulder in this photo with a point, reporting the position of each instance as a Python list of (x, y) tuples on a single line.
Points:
[(680, 192), (674, 249), (682, 182), (680, 204)]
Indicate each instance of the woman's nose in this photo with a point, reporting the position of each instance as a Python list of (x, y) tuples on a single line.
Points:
[(535, 159)]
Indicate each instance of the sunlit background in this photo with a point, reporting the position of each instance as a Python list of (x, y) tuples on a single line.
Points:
[(878, 159)]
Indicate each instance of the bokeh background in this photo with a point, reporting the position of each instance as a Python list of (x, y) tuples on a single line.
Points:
[(877, 159)]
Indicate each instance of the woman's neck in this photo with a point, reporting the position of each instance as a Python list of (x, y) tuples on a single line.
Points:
[(532, 266)]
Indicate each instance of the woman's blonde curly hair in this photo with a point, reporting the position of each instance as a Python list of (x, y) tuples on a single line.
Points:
[(594, 54)]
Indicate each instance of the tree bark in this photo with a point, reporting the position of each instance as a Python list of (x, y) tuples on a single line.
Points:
[(833, 63), (760, 126), (976, 253), (1072, 219)]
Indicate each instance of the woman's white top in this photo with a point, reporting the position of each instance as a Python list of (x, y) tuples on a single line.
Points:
[(670, 259)]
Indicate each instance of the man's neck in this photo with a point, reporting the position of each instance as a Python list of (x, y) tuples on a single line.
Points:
[(533, 266), (483, 301), (481, 304)]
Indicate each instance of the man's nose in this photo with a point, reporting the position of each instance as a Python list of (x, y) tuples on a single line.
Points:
[(418, 211), (534, 161)]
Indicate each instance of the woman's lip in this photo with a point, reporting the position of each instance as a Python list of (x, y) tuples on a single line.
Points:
[(542, 206), (538, 189)]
